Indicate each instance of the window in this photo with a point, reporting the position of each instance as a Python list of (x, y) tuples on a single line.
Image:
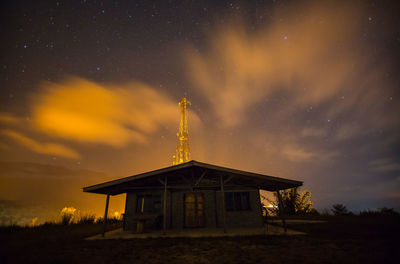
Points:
[(237, 201), (148, 204)]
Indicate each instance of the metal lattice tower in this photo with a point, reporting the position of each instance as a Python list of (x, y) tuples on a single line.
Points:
[(182, 149)]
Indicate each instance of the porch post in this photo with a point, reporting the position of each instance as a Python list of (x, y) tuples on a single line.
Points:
[(281, 213), (106, 214), (165, 207), (223, 202)]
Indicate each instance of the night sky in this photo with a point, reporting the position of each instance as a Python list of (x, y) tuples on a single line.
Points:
[(306, 90)]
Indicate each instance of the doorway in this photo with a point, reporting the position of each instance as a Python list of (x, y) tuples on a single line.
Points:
[(194, 209)]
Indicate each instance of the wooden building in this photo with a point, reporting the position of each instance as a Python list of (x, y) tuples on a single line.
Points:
[(192, 195)]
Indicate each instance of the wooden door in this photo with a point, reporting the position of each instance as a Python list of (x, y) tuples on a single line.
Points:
[(194, 209)]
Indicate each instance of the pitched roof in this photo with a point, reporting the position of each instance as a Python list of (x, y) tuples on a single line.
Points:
[(122, 185)]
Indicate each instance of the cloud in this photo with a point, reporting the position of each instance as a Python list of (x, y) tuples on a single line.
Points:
[(297, 154), (9, 119), (313, 132), (311, 58), (83, 111), (110, 114), (240, 68), (385, 165), (347, 131), (42, 148)]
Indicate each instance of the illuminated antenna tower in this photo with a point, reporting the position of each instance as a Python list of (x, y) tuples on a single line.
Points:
[(182, 149)]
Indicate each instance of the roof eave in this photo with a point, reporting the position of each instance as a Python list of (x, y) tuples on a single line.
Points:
[(279, 183)]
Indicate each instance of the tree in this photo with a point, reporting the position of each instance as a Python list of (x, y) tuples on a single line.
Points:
[(293, 203), (304, 203), (339, 209), (289, 199)]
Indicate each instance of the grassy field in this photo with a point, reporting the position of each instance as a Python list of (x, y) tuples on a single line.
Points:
[(348, 239)]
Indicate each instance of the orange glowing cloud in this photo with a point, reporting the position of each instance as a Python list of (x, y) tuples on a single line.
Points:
[(114, 115), (42, 148), (83, 111), (7, 118)]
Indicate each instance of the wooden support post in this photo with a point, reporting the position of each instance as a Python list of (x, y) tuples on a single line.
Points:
[(223, 202), (106, 214), (165, 207), (171, 223), (281, 209)]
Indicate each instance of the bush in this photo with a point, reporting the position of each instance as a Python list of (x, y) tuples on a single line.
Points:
[(87, 219), (340, 209), (293, 203), (67, 215), (325, 212), (384, 211), (49, 223)]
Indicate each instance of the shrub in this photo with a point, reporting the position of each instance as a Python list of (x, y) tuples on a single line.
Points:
[(87, 219), (340, 209), (384, 211), (49, 223), (325, 212), (293, 203), (67, 215)]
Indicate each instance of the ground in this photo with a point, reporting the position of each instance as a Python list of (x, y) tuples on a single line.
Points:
[(348, 239)]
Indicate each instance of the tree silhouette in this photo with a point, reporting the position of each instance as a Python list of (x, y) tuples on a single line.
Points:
[(339, 209), (293, 203)]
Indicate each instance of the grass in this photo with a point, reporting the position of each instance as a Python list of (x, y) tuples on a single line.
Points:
[(350, 239)]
